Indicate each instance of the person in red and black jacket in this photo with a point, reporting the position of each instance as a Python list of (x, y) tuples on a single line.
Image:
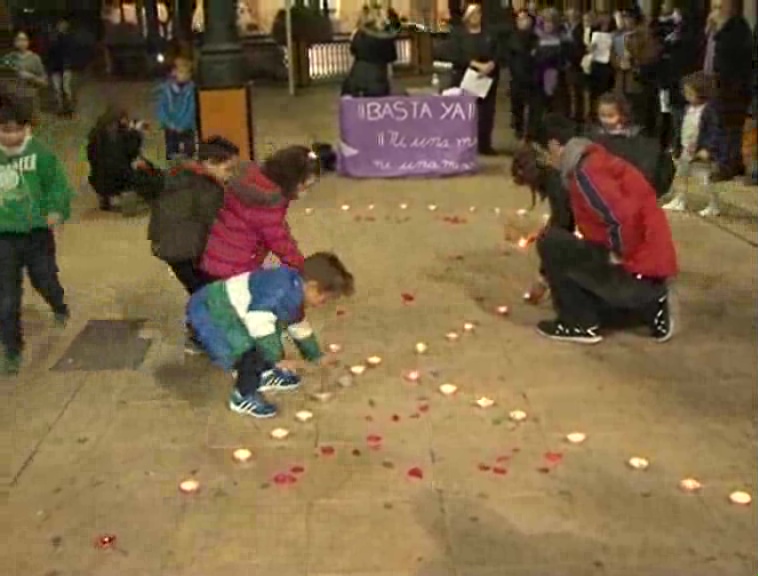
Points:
[(625, 255)]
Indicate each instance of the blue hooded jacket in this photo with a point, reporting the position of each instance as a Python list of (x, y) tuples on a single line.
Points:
[(177, 106)]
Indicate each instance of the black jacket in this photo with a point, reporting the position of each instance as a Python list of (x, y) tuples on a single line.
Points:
[(734, 47), (522, 46), (373, 52), (61, 54), (557, 196), (182, 216), (465, 47), (110, 154), (573, 46)]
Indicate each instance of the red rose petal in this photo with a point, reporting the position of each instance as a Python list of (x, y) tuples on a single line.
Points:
[(553, 457), (327, 451), (283, 478), (340, 312), (423, 408), (417, 473), (499, 470), (503, 459), (395, 418), (407, 297), (356, 452), (484, 467), (543, 470), (297, 469), (374, 439)]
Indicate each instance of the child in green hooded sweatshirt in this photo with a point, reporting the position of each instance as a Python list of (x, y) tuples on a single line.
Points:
[(35, 198)]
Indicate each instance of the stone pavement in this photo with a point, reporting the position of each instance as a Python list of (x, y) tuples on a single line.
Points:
[(94, 453)]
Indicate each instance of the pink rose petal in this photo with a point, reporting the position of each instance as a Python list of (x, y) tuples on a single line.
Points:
[(423, 408), (327, 451), (297, 469), (553, 457), (407, 297), (283, 479), (499, 470), (501, 459), (374, 439)]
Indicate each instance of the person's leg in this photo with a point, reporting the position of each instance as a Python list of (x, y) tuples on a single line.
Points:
[(11, 289), (577, 309), (172, 144), (246, 397), (518, 109), (703, 176), (188, 275), (39, 259), (56, 83), (188, 145), (68, 91), (486, 120)]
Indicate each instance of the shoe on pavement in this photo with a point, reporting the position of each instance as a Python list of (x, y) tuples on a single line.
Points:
[(710, 211), (678, 204), (278, 380), (662, 327), (557, 330), (61, 319), (254, 405)]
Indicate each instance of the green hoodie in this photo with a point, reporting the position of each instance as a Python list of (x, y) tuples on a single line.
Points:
[(33, 186)]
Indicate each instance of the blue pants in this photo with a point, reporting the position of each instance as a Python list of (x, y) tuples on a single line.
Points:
[(34, 251), (180, 144)]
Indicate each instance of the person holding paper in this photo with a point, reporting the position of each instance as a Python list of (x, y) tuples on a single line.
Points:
[(600, 48), (475, 49)]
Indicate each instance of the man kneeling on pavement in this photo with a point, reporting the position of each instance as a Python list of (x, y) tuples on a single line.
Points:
[(625, 256)]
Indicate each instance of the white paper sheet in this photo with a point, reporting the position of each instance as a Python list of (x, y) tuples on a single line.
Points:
[(476, 84), (665, 100), (601, 47)]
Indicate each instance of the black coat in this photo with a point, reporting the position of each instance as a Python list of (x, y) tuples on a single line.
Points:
[(61, 54), (373, 51), (465, 47), (110, 154), (522, 46), (182, 216), (734, 47)]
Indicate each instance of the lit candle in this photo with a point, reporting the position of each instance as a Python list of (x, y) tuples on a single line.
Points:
[(279, 433), (412, 376), (452, 336), (345, 207), (517, 415), (421, 348), (503, 310), (403, 206), (374, 361), (189, 486), (741, 498), (485, 402), (334, 348), (448, 389), (576, 437), (242, 454), (469, 327), (639, 463), (432, 207), (303, 415), (358, 369), (690, 485)]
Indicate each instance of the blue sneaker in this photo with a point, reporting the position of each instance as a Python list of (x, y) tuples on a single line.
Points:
[(254, 405), (279, 380)]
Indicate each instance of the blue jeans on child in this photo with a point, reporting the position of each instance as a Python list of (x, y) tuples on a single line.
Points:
[(180, 144), (34, 251)]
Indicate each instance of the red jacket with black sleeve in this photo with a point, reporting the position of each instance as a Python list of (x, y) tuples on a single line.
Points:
[(614, 205), (251, 224)]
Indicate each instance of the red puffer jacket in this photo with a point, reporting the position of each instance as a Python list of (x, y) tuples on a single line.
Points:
[(251, 224), (615, 206)]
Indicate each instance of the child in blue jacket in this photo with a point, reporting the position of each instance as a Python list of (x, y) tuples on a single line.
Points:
[(240, 322), (177, 111)]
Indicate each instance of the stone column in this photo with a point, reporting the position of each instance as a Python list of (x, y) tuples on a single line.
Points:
[(221, 59)]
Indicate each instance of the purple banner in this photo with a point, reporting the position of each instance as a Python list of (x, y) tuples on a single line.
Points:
[(407, 136)]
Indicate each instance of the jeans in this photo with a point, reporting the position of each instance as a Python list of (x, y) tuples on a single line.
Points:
[(249, 370), (34, 251), (64, 95), (189, 275), (586, 287), (180, 144)]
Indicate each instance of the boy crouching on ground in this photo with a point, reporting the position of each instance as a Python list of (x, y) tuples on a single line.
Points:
[(35, 200), (240, 321)]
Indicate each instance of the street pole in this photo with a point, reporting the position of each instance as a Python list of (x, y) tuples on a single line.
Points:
[(222, 63), (290, 48)]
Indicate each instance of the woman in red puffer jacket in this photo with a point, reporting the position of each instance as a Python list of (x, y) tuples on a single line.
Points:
[(252, 223)]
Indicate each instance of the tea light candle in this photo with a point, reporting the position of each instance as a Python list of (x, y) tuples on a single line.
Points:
[(576, 437), (334, 348), (517, 415), (432, 207), (452, 336), (242, 454), (485, 402), (189, 486), (309, 210), (497, 211), (522, 212), (448, 389), (523, 242), (303, 415), (403, 206), (412, 376), (639, 463), (371, 206), (279, 433), (690, 485), (469, 327), (374, 361), (741, 498), (503, 310), (421, 348), (322, 396), (357, 370), (472, 209)]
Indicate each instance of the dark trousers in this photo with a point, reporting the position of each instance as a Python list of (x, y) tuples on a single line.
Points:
[(733, 100), (35, 252), (586, 287), (191, 277), (575, 90), (645, 108), (524, 112), (601, 80), (180, 144), (486, 117), (249, 369)]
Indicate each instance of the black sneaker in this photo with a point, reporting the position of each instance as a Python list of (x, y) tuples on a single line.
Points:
[(557, 330), (662, 326)]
